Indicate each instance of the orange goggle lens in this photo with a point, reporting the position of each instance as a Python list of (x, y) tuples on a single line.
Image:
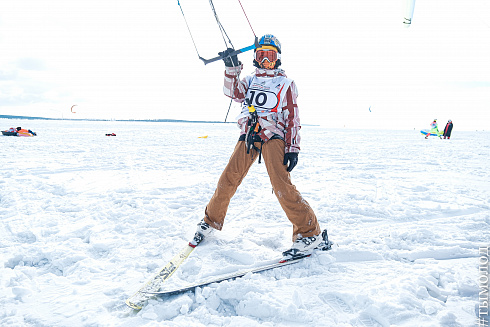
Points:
[(261, 55)]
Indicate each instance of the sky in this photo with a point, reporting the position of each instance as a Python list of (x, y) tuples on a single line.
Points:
[(354, 62)]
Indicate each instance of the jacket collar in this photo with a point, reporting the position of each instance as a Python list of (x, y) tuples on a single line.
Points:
[(261, 72)]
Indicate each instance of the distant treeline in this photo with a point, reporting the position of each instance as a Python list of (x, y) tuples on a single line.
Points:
[(140, 120)]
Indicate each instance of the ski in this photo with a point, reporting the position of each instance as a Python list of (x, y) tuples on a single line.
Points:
[(138, 299), (154, 286), (267, 266), (218, 279)]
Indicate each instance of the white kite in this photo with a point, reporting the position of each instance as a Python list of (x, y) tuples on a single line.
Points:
[(408, 12)]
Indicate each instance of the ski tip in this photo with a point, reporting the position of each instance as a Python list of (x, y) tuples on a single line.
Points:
[(133, 305)]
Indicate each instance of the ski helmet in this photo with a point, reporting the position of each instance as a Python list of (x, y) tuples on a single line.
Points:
[(270, 41)]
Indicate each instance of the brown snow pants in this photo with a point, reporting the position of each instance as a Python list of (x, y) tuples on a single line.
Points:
[(296, 208)]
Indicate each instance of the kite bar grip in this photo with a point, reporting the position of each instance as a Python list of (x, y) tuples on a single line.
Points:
[(234, 53)]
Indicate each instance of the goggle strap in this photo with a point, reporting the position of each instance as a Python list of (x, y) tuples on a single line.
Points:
[(266, 47)]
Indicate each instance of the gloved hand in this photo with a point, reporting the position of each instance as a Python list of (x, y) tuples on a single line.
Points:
[(229, 61), (292, 158)]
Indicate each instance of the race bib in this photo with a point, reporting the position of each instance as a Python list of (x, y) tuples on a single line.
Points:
[(266, 94)]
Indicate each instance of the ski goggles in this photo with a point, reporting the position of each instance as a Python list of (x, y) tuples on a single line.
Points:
[(265, 53)]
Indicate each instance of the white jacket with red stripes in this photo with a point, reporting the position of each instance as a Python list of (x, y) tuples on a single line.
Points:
[(285, 124)]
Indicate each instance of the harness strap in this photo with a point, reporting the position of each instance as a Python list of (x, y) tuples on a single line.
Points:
[(251, 138)]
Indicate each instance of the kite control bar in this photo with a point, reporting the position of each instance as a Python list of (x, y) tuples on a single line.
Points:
[(234, 53)]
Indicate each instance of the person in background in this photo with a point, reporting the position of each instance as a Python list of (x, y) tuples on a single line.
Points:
[(25, 132), (12, 130), (448, 129), (433, 129)]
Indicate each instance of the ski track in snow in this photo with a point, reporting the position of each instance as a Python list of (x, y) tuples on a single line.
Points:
[(87, 219)]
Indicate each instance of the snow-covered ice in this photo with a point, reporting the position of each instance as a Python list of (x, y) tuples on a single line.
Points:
[(86, 219)]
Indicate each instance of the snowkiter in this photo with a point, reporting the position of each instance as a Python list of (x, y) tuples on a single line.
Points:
[(269, 125), (25, 132), (433, 129), (448, 129)]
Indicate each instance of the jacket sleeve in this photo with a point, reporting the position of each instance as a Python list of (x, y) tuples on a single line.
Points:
[(233, 87), (291, 118)]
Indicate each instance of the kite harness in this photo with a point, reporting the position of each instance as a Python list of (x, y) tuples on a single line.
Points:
[(254, 128)]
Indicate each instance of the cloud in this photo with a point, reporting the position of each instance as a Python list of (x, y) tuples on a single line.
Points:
[(136, 59), (31, 64), (8, 74)]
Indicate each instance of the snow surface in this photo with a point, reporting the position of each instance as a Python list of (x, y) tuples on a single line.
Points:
[(87, 219)]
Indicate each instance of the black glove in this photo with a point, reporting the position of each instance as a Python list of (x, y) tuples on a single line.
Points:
[(292, 157), (229, 61)]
